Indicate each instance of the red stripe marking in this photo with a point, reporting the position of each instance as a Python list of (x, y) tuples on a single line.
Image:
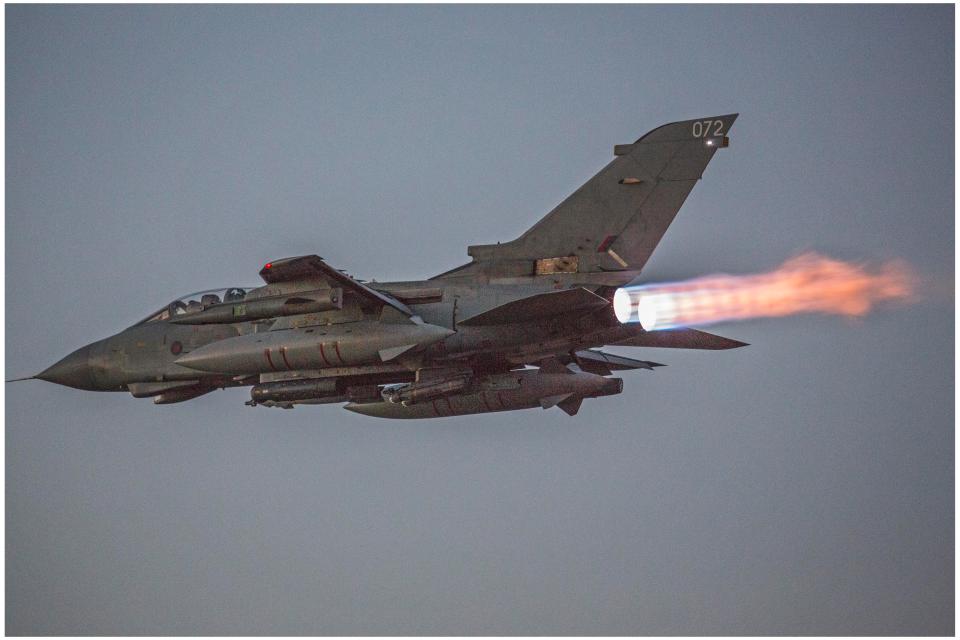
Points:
[(283, 352), (435, 410), (606, 244), (483, 396), (323, 355), (266, 352), (336, 345)]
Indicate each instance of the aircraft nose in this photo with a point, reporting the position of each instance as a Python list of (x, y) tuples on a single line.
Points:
[(73, 371)]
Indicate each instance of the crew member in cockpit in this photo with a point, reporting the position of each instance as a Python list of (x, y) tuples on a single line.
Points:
[(233, 295)]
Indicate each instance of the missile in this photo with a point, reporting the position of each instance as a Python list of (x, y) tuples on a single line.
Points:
[(151, 389), (523, 389), (181, 394), (415, 392), (310, 348)]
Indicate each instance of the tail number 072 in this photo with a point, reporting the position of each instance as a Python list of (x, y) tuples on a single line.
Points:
[(707, 128)]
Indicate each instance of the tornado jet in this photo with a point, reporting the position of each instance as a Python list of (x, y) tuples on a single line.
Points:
[(522, 325)]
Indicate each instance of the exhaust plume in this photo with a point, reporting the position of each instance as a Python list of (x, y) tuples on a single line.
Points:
[(808, 283)]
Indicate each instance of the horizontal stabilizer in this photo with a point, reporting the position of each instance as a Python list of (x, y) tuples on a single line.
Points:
[(538, 307), (604, 364), (680, 339)]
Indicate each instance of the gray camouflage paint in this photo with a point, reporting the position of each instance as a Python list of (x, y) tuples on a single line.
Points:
[(803, 485), (542, 297)]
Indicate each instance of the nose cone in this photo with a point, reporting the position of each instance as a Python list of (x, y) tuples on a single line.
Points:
[(73, 371)]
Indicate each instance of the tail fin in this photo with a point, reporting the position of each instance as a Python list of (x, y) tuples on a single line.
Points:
[(615, 220)]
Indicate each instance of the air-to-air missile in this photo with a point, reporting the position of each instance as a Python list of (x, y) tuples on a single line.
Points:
[(517, 327)]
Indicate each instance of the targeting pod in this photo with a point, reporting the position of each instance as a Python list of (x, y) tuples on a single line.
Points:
[(291, 390), (287, 393)]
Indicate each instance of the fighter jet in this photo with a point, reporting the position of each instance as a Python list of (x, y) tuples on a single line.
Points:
[(519, 326)]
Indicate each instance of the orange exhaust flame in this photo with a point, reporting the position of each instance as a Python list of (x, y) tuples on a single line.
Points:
[(809, 283)]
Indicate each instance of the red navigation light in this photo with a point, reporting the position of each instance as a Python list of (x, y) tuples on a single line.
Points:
[(268, 265)]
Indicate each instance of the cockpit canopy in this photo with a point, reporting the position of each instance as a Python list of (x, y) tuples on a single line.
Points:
[(193, 302)]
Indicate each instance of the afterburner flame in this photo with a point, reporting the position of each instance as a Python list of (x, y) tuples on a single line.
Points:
[(809, 283)]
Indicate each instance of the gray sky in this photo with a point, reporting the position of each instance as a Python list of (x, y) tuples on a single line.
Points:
[(803, 485)]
